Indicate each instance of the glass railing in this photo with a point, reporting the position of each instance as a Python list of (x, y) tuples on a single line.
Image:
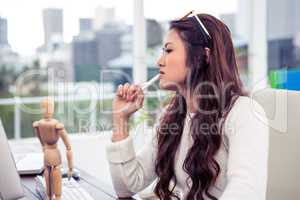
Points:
[(79, 114)]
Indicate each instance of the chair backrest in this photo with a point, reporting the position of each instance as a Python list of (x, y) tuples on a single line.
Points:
[(283, 111)]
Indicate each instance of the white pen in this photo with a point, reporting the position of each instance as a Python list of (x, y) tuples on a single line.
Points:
[(150, 82)]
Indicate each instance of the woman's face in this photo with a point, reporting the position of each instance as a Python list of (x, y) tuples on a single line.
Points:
[(172, 63)]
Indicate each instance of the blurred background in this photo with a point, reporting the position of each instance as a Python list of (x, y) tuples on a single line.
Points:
[(78, 52)]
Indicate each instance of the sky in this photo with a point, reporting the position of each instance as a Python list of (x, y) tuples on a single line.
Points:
[(25, 25)]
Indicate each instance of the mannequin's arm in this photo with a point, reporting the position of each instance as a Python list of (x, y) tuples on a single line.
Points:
[(64, 136), (35, 126)]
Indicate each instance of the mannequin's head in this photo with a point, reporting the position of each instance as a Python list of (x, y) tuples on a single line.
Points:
[(47, 106)]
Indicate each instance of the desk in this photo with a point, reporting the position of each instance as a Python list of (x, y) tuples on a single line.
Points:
[(88, 154)]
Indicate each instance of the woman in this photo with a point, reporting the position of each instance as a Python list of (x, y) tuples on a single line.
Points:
[(219, 149)]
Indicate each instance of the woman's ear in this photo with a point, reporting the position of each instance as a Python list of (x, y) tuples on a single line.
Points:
[(207, 54)]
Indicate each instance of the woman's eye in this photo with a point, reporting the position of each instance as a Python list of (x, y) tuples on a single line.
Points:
[(167, 50)]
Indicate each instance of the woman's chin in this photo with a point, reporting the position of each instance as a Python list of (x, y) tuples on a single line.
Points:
[(166, 86)]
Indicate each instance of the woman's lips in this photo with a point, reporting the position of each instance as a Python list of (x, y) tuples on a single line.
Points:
[(161, 74)]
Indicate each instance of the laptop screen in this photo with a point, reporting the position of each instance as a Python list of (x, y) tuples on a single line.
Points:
[(10, 182)]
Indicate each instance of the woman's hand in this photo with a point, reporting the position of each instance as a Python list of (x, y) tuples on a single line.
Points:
[(128, 100)]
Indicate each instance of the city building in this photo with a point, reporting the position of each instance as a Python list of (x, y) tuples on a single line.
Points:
[(53, 25), (84, 56), (55, 54), (91, 52), (8, 57), (103, 16), (85, 25), (283, 28), (121, 68), (3, 32)]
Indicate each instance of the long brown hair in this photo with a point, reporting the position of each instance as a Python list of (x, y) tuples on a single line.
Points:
[(223, 83)]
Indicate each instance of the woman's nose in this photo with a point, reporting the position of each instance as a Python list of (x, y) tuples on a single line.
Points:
[(160, 61)]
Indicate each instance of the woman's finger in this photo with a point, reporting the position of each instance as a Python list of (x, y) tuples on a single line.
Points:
[(131, 92), (119, 90), (125, 90), (138, 91)]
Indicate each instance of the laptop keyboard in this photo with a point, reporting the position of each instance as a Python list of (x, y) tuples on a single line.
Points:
[(71, 190)]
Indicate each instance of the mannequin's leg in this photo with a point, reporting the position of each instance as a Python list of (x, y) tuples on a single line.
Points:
[(48, 179), (57, 182)]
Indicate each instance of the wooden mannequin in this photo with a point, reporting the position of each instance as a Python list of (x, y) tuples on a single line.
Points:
[(49, 130)]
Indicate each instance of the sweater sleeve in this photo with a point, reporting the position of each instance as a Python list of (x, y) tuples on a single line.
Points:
[(248, 138), (131, 173)]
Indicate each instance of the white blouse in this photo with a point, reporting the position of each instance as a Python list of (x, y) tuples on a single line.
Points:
[(242, 158)]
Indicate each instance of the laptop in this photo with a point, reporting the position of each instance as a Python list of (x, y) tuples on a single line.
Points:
[(29, 163), (10, 182)]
